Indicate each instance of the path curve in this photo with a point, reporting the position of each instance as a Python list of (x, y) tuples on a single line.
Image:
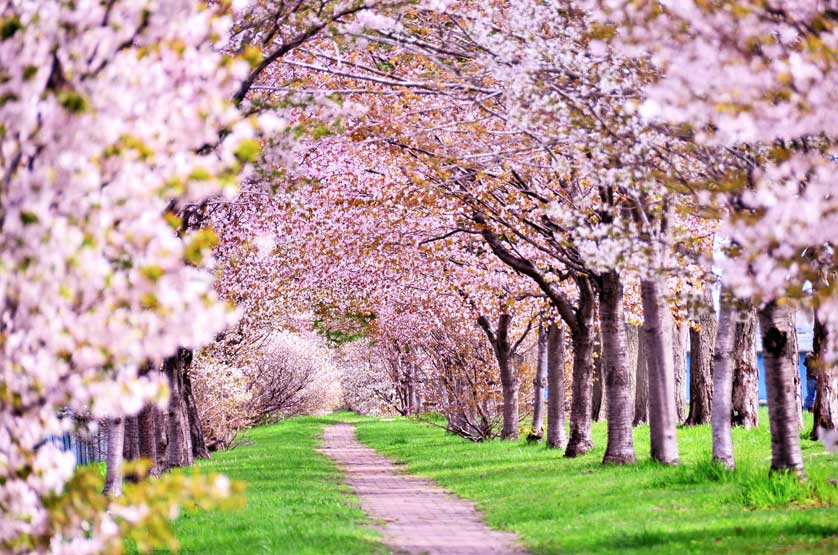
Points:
[(417, 516)]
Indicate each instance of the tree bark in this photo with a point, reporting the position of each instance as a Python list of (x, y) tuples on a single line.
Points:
[(657, 333), (581, 440), (113, 475), (825, 409), (180, 448), (680, 333), (701, 364), (779, 354), (641, 381), (620, 446), (148, 439), (131, 443), (600, 401), (510, 383), (555, 387), (745, 371), (793, 348), (632, 354), (723, 383), (539, 383), (196, 433)]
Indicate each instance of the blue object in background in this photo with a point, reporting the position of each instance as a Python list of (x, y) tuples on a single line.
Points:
[(807, 387)]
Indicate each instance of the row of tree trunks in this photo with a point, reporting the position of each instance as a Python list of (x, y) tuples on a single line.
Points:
[(166, 438)]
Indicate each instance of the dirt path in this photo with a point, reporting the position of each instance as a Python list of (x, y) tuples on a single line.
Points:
[(417, 516)]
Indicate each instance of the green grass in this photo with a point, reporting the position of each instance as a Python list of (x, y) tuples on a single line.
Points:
[(560, 505), (296, 503)]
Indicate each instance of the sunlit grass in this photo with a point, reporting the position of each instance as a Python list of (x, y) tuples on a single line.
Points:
[(560, 505), (296, 502)]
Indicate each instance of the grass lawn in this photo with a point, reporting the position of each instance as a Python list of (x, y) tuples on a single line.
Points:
[(560, 505), (296, 503)]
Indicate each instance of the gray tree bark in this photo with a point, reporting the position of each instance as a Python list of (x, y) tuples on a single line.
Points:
[(113, 475), (620, 445), (702, 341), (599, 410), (539, 382), (196, 433), (131, 443), (632, 354), (147, 439), (641, 381), (179, 440), (723, 383), (680, 333), (793, 347), (556, 436), (657, 335), (825, 409), (581, 441), (745, 371), (779, 357), (510, 383)]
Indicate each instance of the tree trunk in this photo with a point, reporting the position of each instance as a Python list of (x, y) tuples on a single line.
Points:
[(657, 333), (180, 448), (779, 354), (723, 383), (555, 387), (793, 348), (113, 475), (509, 381), (745, 371), (702, 341), (581, 441), (632, 354), (825, 408), (161, 437), (680, 333), (148, 438), (599, 410), (641, 382), (510, 385), (196, 433), (131, 443), (539, 383), (620, 446)]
